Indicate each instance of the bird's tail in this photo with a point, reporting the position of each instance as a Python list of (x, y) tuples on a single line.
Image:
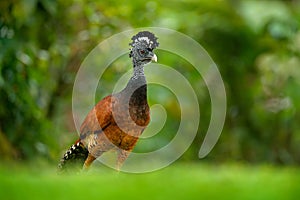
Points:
[(74, 158)]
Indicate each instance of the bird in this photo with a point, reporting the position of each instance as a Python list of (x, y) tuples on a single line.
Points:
[(116, 121)]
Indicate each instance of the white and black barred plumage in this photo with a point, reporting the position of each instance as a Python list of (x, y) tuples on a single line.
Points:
[(74, 156)]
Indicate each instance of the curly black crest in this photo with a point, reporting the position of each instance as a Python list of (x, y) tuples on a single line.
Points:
[(144, 38)]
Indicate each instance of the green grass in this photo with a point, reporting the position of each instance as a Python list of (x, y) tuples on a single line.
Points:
[(181, 181)]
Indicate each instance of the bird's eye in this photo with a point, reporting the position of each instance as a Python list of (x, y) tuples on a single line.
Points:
[(142, 51)]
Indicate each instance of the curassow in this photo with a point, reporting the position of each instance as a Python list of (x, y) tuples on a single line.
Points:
[(117, 121)]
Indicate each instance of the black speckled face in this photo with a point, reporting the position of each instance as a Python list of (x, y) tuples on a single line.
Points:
[(143, 45)]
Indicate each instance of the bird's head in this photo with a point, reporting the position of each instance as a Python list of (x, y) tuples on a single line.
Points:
[(143, 45)]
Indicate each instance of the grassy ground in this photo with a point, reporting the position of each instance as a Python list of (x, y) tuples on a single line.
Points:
[(179, 181)]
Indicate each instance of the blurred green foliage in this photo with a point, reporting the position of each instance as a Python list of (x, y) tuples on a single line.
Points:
[(176, 182), (255, 44)]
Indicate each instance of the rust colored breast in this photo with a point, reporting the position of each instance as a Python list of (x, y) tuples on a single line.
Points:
[(115, 122)]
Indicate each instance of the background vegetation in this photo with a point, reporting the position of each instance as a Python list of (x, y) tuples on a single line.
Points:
[(175, 182), (255, 44)]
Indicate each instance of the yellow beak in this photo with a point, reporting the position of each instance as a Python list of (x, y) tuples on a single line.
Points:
[(154, 58)]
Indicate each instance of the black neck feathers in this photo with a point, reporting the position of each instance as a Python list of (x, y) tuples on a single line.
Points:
[(136, 88)]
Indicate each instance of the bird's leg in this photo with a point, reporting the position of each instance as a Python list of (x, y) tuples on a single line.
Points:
[(88, 161), (122, 156)]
